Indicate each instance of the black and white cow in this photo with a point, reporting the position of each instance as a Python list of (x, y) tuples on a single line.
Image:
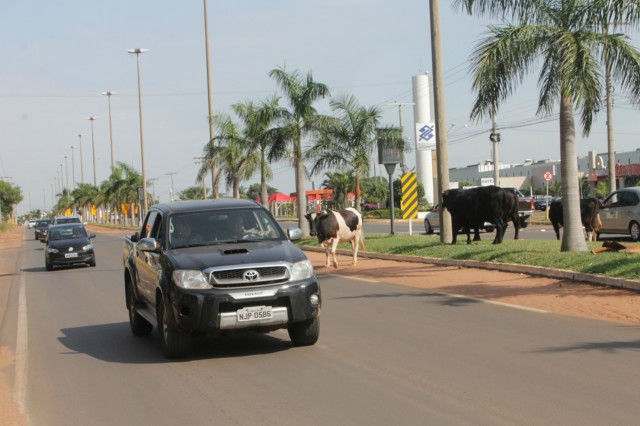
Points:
[(470, 208), (334, 227), (311, 218), (589, 216)]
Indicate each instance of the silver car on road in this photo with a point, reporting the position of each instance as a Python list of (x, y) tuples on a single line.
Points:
[(620, 213)]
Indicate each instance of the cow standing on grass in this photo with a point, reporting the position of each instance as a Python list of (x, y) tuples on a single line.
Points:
[(589, 215), (334, 227), (470, 208)]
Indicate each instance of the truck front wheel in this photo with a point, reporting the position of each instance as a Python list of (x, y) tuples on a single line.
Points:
[(305, 333), (175, 343)]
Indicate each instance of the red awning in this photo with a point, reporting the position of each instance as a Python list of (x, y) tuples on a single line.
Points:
[(279, 197)]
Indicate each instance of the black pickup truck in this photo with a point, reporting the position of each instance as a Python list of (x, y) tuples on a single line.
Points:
[(216, 267)]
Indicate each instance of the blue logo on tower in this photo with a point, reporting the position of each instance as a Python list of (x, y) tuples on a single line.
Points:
[(426, 133)]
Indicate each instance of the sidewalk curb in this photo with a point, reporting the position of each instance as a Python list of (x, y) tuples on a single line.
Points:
[(581, 277)]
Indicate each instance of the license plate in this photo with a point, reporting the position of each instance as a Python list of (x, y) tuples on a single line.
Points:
[(255, 313), (68, 255)]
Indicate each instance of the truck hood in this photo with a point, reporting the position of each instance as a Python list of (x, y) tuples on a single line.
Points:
[(199, 258)]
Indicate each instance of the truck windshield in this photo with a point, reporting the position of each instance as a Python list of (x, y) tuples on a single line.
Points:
[(221, 226)]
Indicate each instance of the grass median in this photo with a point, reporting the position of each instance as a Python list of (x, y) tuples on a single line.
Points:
[(544, 253)]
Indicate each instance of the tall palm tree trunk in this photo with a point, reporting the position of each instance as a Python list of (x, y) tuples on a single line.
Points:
[(572, 237), (264, 195), (301, 195), (357, 191)]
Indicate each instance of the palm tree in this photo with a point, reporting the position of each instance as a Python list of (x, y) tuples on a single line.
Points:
[(237, 158), (192, 193), (563, 35), (375, 188), (342, 183), (84, 197), (301, 93), (346, 141), (121, 188), (606, 15), (257, 121)]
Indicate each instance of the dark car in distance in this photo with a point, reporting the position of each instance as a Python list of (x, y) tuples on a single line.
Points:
[(67, 245), (42, 229)]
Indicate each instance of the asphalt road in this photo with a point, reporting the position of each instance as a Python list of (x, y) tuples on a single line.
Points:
[(387, 354)]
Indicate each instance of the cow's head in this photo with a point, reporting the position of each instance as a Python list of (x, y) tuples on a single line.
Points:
[(311, 218), (447, 198)]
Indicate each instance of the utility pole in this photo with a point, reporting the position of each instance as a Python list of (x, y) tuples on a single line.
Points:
[(403, 165), (440, 115), (171, 197), (153, 189), (495, 139), (200, 160)]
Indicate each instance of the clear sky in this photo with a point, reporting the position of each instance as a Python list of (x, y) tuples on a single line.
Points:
[(58, 57)]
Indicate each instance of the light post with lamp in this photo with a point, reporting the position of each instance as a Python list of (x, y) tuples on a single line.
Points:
[(93, 147), (137, 51), (108, 94)]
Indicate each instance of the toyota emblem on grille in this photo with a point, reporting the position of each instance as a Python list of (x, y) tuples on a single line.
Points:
[(251, 275), (70, 248)]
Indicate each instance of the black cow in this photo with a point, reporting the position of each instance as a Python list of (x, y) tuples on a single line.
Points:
[(470, 208), (334, 227), (589, 216)]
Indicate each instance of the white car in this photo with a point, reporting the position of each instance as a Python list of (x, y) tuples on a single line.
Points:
[(66, 219), (432, 222)]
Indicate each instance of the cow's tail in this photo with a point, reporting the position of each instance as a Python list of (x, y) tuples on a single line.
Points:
[(362, 247)]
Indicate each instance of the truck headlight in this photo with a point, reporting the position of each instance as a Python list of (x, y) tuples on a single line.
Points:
[(87, 247), (301, 270), (189, 279), (53, 250)]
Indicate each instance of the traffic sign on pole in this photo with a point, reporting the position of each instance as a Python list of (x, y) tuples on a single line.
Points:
[(409, 195)]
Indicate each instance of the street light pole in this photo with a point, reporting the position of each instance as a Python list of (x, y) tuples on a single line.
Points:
[(93, 147), (137, 51), (109, 94), (214, 187), (73, 168), (81, 160), (66, 168), (171, 198), (61, 181)]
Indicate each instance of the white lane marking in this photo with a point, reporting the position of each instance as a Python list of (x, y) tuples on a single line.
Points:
[(459, 296), (20, 386), (355, 278), (493, 302)]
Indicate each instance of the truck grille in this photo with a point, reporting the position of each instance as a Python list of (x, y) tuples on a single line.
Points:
[(248, 276)]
